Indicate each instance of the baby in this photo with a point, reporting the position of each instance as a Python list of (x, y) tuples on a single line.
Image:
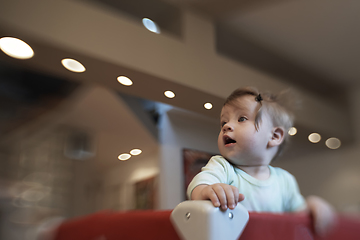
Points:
[(253, 132)]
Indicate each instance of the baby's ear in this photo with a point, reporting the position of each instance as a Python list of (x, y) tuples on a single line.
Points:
[(277, 136)]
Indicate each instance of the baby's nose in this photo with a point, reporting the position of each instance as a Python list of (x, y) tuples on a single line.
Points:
[(227, 127)]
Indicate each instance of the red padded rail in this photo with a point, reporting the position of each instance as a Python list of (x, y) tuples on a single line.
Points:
[(156, 225)]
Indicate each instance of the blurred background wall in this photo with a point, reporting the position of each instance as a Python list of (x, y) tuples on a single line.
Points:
[(62, 131)]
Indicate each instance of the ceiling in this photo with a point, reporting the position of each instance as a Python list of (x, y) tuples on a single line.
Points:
[(312, 45), (320, 36)]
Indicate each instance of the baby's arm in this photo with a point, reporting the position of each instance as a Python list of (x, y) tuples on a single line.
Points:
[(221, 195), (323, 213)]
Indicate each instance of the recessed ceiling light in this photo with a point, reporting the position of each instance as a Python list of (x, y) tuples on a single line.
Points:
[(169, 94), (124, 80), (124, 156), (292, 131), (314, 137), (151, 25), (208, 105), (135, 152), (73, 65), (16, 48), (333, 143)]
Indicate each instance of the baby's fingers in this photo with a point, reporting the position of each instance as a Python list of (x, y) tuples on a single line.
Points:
[(221, 195), (233, 196), (325, 222), (211, 194), (241, 197)]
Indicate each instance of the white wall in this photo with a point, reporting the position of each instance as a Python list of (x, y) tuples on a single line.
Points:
[(333, 174), (125, 176), (181, 129)]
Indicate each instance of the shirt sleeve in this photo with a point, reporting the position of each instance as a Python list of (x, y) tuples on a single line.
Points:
[(295, 201), (215, 171)]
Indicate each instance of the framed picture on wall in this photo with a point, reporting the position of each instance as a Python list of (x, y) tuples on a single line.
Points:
[(194, 160), (145, 193)]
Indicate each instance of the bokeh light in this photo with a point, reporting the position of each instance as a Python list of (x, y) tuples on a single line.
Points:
[(208, 106), (124, 81), (151, 25), (124, 156), (333, 143), (292, 131), (16, 48), (73, 65), (135, 152), (314, 137), (169, 94)]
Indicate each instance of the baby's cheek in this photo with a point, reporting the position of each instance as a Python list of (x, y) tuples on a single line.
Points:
[(220, 141)]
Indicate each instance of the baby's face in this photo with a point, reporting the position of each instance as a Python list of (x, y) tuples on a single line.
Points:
[(238, 140)]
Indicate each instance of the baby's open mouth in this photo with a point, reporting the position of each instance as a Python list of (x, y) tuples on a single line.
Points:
[(228, 140)]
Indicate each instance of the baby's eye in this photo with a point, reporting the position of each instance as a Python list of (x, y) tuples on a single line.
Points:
[(242, 119), (222, 124)]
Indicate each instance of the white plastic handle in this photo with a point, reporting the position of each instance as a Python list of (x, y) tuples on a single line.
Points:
[(200, 220)]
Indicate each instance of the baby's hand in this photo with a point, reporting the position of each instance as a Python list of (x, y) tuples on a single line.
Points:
[(221, 195), (323, 213)]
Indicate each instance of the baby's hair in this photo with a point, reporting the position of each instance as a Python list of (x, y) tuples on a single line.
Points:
[(276, 106)]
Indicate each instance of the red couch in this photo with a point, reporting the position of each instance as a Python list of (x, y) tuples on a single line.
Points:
[(156, 225)]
